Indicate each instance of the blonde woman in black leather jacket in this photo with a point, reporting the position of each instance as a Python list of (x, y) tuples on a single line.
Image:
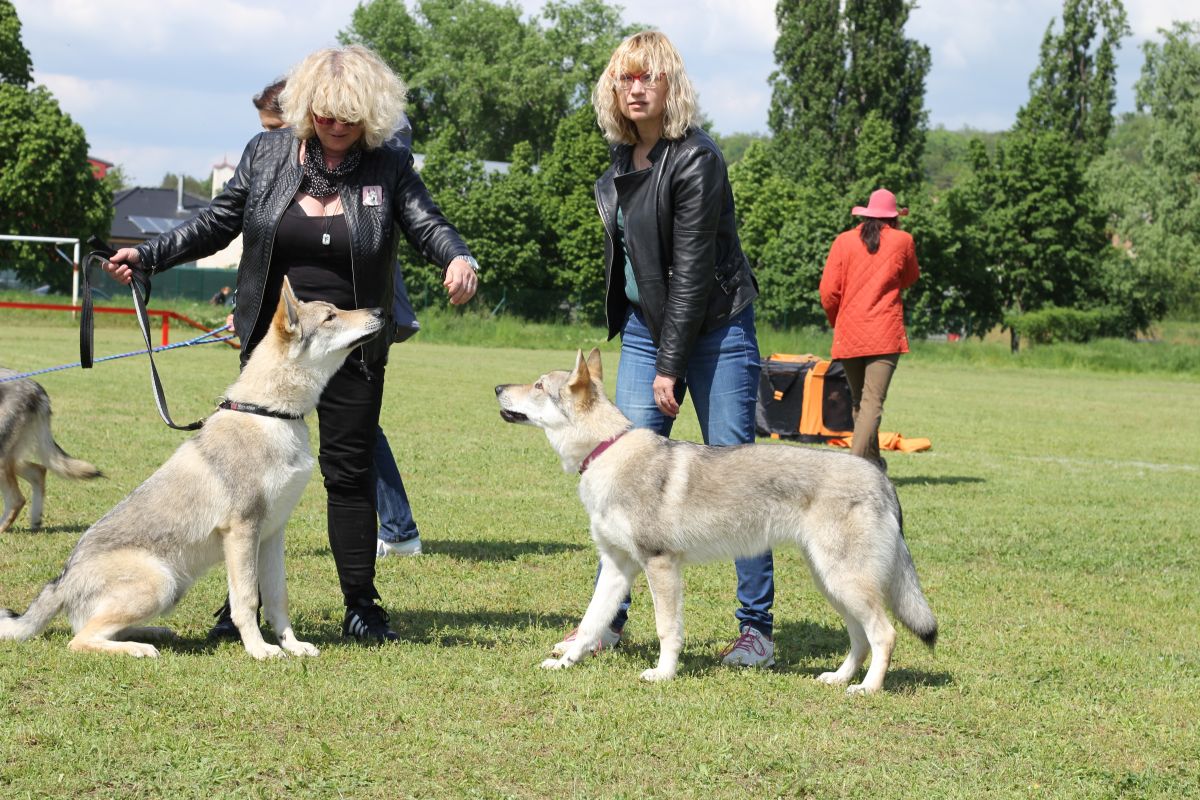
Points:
[(320, 202), (679, 291)]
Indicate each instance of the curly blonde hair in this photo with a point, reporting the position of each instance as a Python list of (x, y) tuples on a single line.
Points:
[(647, 51), (348, 83)]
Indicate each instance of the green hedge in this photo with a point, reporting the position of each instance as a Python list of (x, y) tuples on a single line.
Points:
[(1052, 324)]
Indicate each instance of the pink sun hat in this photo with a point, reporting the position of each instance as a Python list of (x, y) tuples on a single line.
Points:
[(882, 205)]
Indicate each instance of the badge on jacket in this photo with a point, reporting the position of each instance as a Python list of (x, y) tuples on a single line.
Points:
[(372, 195)]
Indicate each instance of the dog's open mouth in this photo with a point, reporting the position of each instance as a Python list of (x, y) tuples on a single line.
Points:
[(512, 416)]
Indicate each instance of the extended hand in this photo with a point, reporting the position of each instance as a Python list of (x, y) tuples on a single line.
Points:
[(461, 281)]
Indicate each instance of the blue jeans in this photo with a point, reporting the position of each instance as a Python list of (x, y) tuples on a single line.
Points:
[(391, 501), (722, 374)]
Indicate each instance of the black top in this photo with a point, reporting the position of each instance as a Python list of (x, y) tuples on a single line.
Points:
[(316, 270)]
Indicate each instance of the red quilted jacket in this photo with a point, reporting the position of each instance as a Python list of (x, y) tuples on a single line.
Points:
[(861, 293)]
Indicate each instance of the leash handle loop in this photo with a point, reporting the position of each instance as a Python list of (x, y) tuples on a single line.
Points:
[(140, 287)]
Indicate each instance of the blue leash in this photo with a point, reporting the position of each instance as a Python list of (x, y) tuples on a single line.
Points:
[(203, 338)]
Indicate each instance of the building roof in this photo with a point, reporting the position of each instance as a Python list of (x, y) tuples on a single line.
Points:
[(141, 213)]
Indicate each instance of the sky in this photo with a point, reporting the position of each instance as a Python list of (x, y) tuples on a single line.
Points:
[(165, 85)]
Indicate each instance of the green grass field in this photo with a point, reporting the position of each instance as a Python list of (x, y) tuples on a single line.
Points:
[(1053, 525)]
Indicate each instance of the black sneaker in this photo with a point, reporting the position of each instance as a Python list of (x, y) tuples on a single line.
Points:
[(368, 622), (224, 629)]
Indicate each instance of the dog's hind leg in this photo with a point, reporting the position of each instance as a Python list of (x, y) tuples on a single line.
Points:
[(130, 589), (665, 578), (35, 474), (241, 563), (869, 629), (859, 647), (616, 575), (14, 501), (272, 584)]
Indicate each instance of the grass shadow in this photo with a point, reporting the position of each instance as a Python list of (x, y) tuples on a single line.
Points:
[(468, 550), (473, 550), (47, 529), (945, 480)]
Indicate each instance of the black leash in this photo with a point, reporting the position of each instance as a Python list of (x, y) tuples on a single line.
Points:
[(141, 294)]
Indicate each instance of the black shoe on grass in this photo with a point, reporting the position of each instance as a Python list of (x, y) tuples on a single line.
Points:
[(224, 629), (368, 623)]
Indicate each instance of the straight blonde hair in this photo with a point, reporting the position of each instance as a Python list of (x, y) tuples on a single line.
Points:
[(647, 51), (352, 84)]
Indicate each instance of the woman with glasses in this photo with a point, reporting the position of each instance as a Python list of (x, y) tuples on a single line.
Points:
[(319, 201), (679, 291)]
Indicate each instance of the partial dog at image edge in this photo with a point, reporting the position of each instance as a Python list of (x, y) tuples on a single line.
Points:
[(28, 449), (226, 492), (656, 504)]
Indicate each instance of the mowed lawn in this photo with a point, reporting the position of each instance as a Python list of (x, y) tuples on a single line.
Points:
[(1053, 524)]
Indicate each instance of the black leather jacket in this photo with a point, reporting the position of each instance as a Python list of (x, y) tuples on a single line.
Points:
[(254, 199), (692, 276)]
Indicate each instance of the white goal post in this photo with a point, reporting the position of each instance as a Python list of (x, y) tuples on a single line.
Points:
[(56, 240)]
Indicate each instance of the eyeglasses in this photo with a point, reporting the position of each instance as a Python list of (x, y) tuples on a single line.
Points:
[(327, 121), (625, 81)]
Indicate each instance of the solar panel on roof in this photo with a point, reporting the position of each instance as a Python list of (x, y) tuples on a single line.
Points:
[(155, 224)]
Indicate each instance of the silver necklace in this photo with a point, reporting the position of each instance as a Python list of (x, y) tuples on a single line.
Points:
[(325, 238)]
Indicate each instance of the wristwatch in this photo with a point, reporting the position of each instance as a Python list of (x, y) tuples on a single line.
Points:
[(471, 262)]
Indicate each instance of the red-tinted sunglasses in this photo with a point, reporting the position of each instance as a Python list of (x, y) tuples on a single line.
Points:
[(327, 121)]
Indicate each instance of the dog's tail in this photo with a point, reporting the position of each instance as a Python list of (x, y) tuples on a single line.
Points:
[(43, 609), (907, 600), (54, 457)]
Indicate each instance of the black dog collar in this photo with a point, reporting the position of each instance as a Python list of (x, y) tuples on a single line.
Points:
[(254, 408)]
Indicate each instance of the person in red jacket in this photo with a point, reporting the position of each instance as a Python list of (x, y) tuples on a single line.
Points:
[(867, 268)]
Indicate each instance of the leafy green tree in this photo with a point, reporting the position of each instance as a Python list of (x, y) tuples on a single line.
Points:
[(785, 228), (837, 63), (1149, 182), (46, 183), (16, 67), (1045, 233), (1073, 89), (481, 76), (568, 174), (115, 180), (734, 145)]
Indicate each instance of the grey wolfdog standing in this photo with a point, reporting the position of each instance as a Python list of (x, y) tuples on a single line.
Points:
[(28, 449), (657, 504), (228, 491)]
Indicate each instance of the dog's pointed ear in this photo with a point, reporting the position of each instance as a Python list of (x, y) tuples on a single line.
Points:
[(290, 306), (580, 380), (594, 366)]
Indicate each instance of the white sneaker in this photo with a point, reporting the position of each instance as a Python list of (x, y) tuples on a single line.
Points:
[(410, 547), (609, 639), (750, 649)]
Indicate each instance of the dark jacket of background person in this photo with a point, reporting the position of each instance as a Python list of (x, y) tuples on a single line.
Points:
[(690, 282), (262, 186)]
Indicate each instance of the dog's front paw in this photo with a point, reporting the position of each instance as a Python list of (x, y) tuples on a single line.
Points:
[(861, 688), (555, 663), (655, 675), (299, 648), (141, 650), (833, 679), (264, 651)]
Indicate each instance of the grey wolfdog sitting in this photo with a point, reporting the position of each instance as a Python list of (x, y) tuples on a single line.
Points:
[(226, 492), (28, 449), (657, 504)]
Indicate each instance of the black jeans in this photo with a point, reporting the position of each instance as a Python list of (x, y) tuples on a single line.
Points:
[(348, 419)]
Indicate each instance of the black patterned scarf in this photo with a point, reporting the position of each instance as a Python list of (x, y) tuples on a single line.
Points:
[(319, 180)]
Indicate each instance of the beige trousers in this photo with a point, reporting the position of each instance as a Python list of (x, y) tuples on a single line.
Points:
[(869, 378)]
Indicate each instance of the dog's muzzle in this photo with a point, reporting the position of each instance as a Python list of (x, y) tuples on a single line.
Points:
[(505, 414)]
